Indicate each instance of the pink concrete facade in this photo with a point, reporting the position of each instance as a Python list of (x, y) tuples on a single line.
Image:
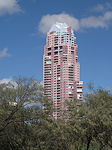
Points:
[(61, 69)]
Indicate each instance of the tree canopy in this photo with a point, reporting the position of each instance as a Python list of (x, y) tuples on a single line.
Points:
[(24, 125)]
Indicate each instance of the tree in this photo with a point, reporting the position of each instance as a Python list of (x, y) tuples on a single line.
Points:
[(16, 113), (25, 125), (93, 121)]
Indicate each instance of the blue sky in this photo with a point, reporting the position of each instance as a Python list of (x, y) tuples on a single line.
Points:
[(23, 27)]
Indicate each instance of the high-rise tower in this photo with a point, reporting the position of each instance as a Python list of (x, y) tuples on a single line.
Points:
[(61, 69)]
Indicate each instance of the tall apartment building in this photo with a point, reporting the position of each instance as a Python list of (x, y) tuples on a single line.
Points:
[(61, 69)]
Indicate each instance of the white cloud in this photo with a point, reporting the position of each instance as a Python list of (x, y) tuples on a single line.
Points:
[(102, 7), (100, 21), (108, 16), (103, 21), (93, 22), (4, 53), (9, 7), (98, 8), (48, 20)]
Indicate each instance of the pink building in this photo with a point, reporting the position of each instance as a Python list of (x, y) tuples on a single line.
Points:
[(61, 69)]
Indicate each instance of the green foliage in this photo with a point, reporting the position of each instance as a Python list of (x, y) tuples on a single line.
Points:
[(92, 122), (24, 126)]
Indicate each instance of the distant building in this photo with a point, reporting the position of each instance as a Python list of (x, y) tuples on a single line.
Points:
[(61, 69)]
